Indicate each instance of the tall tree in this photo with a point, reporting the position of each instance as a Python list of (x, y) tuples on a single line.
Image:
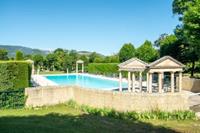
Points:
[(99, 60), (180, 6), (188, 53), (60, 57), (92, 57), (112, 59), (68, 63), (19, 55), (146, 52), (38, 60), (189, 14), (126, 52), (51, 61), (191, 25), (85, 59), (169, 45), (3, 54), (28, 56)]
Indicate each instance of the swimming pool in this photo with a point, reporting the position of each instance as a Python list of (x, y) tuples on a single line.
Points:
[(87, 81)]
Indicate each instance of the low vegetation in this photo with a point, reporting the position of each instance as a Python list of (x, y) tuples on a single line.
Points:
[(152, 115), (65, 118), (12, 99)]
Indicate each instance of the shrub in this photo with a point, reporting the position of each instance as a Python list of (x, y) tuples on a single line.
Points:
[(12, 99), (19, 55), (14, 75), (103, 68)]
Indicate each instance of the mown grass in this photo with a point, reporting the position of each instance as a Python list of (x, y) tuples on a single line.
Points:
[(52, 72), (64, 119)]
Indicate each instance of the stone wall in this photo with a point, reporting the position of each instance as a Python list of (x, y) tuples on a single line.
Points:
[(40, 96), (121, 101), (191, 84), (124, 101)]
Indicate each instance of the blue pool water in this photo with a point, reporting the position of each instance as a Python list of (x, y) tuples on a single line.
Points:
[(85, 81)]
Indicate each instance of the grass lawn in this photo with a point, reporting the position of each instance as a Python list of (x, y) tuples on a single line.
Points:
[(52, 72), (63, 119)]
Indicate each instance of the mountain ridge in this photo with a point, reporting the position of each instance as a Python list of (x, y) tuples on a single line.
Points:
[(27, 50)]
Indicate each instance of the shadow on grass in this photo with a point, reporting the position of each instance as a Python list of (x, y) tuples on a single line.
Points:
[(57, 123)]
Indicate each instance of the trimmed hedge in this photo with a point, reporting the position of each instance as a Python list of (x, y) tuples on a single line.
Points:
[(103, 68), (14, 75), (12, 99)]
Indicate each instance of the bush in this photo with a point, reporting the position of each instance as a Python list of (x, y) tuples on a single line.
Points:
[(14, 75), (103, 68), (12, 99)]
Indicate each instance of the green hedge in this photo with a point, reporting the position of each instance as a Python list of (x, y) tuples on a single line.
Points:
[(12, 99), (14, 75), (103, 68)]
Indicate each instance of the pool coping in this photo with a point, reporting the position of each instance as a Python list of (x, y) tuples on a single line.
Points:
[(42, 81)]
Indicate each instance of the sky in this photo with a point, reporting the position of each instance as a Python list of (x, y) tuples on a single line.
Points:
[(92, 25)]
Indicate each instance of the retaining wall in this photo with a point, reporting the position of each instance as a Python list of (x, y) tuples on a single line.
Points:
[(191, 84), (121, 101), (40, 96)]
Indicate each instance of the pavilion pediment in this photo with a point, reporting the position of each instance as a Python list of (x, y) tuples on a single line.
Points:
[(166, 62), (133, 63)]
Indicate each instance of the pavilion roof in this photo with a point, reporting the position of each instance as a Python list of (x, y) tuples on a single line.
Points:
[(79, 61), (133, 64), (166, 62)]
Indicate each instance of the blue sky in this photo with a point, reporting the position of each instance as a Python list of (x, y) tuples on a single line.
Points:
[(94, 25)]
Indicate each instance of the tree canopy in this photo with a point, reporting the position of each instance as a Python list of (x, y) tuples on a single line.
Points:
[(188, 31), (146, 52), (126, 52), (3, 54), (38, 60), (191, 25), (19, 55)]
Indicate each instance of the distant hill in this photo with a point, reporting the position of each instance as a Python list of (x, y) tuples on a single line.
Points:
[(26, 50), (12, 49), (88, 53)]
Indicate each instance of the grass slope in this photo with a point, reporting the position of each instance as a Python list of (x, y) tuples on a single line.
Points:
[(64, 119)]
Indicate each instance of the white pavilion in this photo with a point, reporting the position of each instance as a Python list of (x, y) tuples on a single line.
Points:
[(156, 75), (79, 62)]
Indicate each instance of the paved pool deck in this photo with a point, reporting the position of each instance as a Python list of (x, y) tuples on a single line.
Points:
[(194, 102)]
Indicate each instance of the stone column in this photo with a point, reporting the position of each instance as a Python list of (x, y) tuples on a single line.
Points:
[(76, 67), (33, 69), (150, 83), (129, 81), (160, 76), (180, 81), (172, 82), (38, 70), (147, 81), (120, 81), (140, 81), (83, 68), (133, 82)]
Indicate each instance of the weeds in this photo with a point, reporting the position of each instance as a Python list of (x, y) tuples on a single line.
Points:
[(151, 115)]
